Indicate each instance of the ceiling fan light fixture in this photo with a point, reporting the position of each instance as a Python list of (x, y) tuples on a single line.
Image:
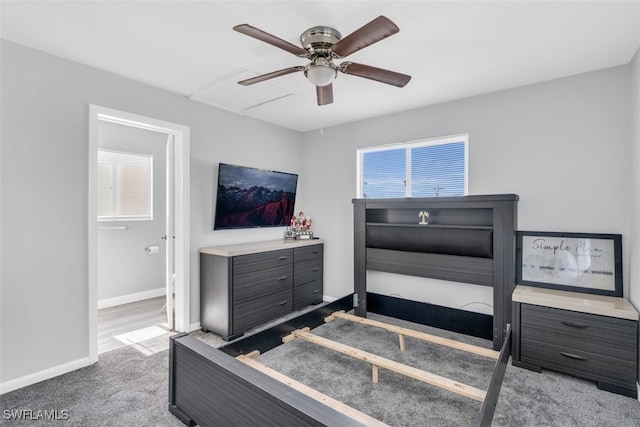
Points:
[(321, 74)]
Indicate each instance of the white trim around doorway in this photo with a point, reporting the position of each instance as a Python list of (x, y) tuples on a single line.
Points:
[(182, 197)]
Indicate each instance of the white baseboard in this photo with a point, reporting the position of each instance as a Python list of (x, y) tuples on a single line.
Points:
[(126, 299), (46, 374)]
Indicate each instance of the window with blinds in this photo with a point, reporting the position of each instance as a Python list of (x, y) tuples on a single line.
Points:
[(125, 186), (429, 168)]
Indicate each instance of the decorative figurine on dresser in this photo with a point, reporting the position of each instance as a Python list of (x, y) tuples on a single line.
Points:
[(300, 227), (569, 313)]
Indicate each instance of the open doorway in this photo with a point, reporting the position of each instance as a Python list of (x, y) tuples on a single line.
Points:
[(171, 242)]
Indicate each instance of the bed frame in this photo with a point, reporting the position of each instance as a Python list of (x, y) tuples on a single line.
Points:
[(464, 239), (223, 386)]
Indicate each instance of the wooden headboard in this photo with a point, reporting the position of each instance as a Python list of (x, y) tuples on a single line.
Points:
[(468, 239)]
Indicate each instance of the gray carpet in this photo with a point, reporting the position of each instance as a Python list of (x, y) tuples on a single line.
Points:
[(129, 388), (125, 388)]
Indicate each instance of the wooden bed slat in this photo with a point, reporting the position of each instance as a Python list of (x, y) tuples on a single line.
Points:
[(361, 417), (420, 375), (415, 334)]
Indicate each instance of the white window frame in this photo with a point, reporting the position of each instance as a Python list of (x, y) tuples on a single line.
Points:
[(139, 217), (408, 146)]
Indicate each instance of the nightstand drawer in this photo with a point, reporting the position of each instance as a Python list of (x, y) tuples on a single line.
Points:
[(571, 330), (578, 362)]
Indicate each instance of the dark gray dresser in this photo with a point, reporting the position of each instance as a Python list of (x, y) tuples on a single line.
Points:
[(588, 336), (246, 285)]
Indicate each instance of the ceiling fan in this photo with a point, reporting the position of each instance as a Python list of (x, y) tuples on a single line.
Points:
[(321, 45)]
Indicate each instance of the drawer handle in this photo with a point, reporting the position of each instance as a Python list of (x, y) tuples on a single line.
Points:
[(573, 356), (316, 269), (283, 302), (574, 324), (316, 291), (282, 278), (282, 258)]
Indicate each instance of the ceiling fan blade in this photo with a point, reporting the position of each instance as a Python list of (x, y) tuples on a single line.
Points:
[(271, 75), (256, 33), (373, 73), (325, 94), (376, 30)]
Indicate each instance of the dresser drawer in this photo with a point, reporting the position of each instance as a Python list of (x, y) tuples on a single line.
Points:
[(307, 293), (255, 267), (306, 253), (571, 330), (273, 281), (260, 310), (307, 271)]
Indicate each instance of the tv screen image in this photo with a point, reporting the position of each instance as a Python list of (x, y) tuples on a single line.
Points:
[(250, 197)]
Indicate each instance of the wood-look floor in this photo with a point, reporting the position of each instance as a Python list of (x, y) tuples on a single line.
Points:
[(125, 318)]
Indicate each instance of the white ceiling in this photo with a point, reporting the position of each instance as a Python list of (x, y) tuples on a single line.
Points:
[(452, 49)]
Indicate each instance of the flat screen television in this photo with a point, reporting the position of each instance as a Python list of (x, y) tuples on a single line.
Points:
[(249, 197)]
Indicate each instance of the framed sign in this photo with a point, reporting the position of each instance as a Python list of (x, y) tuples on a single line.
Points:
[(579, 262)]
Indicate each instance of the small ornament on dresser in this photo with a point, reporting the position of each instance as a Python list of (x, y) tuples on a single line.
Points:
[(300, 227)]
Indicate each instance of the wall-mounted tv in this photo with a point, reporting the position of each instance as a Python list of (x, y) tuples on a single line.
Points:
[(249, 197)]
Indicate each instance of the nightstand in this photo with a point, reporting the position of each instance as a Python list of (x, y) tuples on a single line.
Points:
[(588, 336)]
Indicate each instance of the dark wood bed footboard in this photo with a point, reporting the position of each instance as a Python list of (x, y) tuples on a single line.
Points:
[(209, 387)]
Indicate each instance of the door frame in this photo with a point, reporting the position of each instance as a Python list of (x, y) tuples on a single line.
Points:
[(181, 138)]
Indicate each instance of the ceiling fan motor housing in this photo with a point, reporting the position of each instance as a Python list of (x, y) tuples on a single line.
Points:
[(318, 40)]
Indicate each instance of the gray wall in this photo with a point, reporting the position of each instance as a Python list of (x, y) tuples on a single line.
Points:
[(124, 267), (44, 172), (563, 146)]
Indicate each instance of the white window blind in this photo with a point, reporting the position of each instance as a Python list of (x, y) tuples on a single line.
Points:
[(429, 168), (384, 173), (125, 186)]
